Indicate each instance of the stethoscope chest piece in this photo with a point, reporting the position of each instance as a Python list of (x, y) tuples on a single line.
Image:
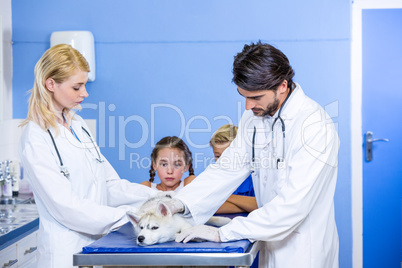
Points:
[(64, 171), (280, 163)]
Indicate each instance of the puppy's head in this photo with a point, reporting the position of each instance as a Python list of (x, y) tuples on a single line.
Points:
[(153, 227)]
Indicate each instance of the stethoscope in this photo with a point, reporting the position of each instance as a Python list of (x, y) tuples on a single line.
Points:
[(280, 161), (63, 169)]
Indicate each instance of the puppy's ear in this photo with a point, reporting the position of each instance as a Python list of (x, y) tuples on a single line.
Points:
[(133, 217), (162, 209)]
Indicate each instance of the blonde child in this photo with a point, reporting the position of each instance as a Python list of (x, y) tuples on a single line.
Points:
[(171, 158), (243, 199)]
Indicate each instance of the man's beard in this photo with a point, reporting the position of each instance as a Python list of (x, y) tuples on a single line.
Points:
[(271, 109)]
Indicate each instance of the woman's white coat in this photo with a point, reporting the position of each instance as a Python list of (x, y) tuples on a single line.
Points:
[(76, 211)]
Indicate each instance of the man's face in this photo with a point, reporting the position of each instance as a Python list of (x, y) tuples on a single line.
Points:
[(262, 102), (265, 102)]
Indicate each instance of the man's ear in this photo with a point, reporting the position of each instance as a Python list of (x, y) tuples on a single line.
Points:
[(50, 84), (283, 87)]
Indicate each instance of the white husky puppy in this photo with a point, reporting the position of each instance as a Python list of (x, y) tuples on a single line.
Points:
[(154, 223)]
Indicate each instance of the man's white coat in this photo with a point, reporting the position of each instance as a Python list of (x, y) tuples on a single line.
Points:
[(295, 218)]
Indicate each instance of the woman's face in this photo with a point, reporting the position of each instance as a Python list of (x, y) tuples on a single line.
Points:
[(170, 165), (69, 93)]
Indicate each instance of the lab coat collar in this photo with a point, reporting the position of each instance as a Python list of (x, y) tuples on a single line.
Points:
[(77, 126), (263, 136), (289, 111), (292, 105), (66, 134)]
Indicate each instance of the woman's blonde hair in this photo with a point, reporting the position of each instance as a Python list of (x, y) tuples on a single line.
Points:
[(224, 134), (59, 63)]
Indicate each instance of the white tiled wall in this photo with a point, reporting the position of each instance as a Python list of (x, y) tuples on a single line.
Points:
[(6, 62), (10, 135)]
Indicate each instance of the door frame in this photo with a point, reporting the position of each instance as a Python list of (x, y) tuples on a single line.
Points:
[(356, 120)]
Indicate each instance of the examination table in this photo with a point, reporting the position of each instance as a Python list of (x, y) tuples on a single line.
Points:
[(120, 249)]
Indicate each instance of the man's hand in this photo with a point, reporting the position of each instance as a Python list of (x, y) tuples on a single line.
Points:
[(202, 232), (174, 205)]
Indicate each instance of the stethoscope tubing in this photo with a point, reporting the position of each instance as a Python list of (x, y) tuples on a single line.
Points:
[(273, 125), (55, 147), (63, 169), (99, 159)]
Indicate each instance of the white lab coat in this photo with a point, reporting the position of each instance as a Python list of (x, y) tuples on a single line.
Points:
[(295, 218), (73, 212)]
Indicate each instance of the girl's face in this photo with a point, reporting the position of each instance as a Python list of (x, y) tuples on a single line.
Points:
[(170, 165), (219, 148), (69, 93)]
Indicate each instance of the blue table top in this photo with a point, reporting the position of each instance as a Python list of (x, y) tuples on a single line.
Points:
[(124, 241)]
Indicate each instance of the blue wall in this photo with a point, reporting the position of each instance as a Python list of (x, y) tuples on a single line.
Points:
[(164, 68)]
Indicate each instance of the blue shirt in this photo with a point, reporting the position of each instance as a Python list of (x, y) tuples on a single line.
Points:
[(246, 188)]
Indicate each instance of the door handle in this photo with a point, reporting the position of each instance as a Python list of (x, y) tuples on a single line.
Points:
[(369, 145)]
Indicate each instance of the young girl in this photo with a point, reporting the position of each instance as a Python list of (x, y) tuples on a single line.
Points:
[(243, 199), (171, 158)]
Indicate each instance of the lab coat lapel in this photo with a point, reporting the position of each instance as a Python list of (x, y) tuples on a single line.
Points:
[(65, 133), (293, 105), (261, 139)]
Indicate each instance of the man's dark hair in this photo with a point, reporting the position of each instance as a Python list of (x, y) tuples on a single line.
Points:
[(261, 67)]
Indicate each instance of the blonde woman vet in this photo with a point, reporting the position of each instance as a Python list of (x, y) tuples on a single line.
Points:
[(78, 194)]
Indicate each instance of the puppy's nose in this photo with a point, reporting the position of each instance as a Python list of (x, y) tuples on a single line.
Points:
[(141, 238)]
